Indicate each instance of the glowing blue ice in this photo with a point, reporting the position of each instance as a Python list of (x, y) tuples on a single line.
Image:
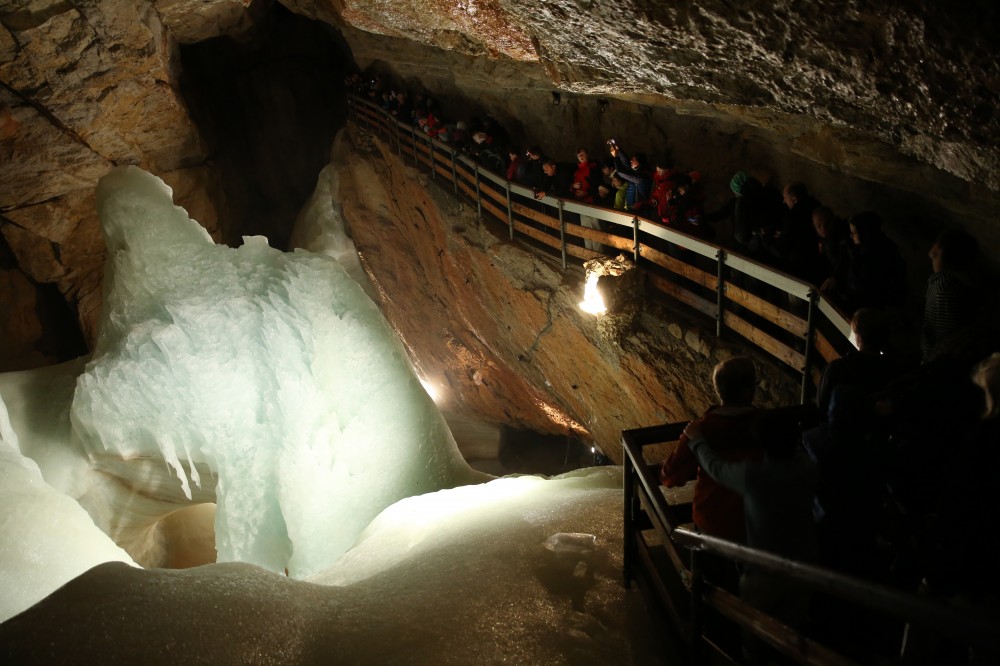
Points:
[(274, 368)]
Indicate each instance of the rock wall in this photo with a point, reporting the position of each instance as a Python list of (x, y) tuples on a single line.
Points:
[(496, 327), (83, 86), (917, 76)]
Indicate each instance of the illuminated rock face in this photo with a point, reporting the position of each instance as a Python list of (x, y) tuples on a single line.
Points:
[(900, 93), (497, 328)]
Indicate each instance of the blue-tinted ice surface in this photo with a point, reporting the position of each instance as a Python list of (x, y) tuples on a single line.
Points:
[(274, 368)]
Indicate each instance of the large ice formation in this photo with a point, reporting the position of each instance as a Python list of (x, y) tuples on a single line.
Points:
[(269, 380), (273, 368)]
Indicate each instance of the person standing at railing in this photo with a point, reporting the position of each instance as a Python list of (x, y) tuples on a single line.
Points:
[(795, 242), (755, 208), (876, 272), (870, 366), (952, 299), (620, 187), (586, 180), (830, 256), (684, 208), (557, 180), (404, 108), (717, 510), (663, 188), (633, 171), (516, 166), (607, 170), (533, 173), (778, 493), (605, 196)]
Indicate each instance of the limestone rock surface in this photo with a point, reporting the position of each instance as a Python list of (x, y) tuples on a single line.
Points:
[(920, 76), (85, 86)]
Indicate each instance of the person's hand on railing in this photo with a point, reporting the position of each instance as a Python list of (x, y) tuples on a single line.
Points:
[(539, 194), (693, 431)]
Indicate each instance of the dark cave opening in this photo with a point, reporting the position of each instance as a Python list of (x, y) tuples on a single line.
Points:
[(268, 108)]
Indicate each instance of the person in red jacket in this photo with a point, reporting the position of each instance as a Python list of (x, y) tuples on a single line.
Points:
[(663, 187), (586, 178), (717, 510)]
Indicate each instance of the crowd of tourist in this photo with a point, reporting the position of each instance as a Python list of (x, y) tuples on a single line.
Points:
[(891, 476), (851, 259)]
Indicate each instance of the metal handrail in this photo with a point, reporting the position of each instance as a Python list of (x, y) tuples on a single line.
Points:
[(973, 627), (638, 228)]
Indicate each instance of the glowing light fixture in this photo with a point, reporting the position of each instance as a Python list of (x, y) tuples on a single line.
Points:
[(592, 303)]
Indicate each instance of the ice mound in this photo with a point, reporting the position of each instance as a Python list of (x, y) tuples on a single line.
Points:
[(47, 538), (273, 368), (459, 576)]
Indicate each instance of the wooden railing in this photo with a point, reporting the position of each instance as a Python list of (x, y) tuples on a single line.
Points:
[(665, 555), (775, 312)]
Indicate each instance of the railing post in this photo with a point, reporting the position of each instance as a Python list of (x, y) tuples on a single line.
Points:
[(562, 234), (399, 141), (454, 172), (635, 239), (416, 153), (432, 155), (479, 196), (697, 607), (510, 213), (720, 292), (810, 341), (628, 520)]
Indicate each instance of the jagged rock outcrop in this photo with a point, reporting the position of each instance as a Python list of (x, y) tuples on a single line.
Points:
[(497, 328)]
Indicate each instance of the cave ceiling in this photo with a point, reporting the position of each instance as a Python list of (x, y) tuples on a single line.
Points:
[(921, 76)]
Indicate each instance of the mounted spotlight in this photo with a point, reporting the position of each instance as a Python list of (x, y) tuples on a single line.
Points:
[(610, 283), (556, 98), (602, 105), (614, 293)]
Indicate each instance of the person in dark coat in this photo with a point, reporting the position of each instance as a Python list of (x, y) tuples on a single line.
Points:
[(876, 273), (755, 210), (951, 302), (533, 173), (831, 250), (795, 244), (556, 181)]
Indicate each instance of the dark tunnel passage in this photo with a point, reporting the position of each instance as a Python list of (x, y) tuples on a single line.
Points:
[(268, 108)]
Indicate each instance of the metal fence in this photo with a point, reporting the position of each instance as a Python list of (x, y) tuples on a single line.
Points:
[(775, 312), (665, 555)]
